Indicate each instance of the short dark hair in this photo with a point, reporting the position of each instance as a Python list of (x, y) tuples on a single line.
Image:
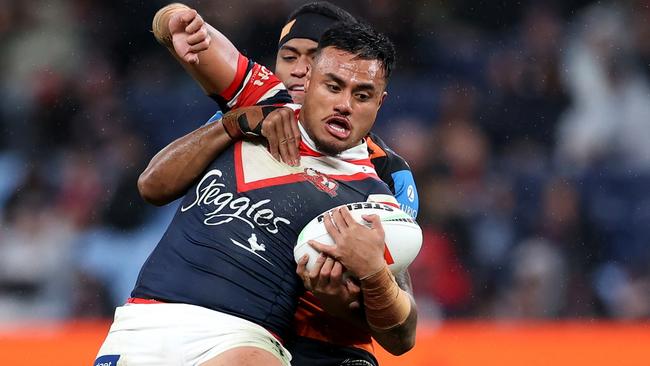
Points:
[(325, 9), (361, 40)]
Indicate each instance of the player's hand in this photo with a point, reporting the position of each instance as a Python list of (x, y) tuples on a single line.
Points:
[(280, 128), (358, 247), (338, 295), (189, 34)]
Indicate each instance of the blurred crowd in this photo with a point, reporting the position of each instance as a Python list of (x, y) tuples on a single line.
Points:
[(526, 124)]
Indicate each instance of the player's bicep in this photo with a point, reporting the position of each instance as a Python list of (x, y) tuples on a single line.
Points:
[(405, 192)]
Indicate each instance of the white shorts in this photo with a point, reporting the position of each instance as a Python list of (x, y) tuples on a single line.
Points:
[(179, 334)]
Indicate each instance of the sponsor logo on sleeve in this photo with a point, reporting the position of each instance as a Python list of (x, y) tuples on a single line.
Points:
[(410, 193), (262, 75), (405, 192)]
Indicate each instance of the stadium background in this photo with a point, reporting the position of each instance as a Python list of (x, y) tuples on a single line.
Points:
[(526, 124)]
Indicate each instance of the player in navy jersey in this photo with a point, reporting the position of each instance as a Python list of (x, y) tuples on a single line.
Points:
[(296, 46), (220, 287)]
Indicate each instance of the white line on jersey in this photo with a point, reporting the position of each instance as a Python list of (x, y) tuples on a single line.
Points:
[(254, 246)]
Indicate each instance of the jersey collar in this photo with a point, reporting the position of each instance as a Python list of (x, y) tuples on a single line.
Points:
[(308, 148)]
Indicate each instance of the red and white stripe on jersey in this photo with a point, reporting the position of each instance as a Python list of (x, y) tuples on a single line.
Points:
[(385, 199), (256, 168), (253, 84)]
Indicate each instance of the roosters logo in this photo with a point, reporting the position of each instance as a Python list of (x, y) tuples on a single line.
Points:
[(321, 181)]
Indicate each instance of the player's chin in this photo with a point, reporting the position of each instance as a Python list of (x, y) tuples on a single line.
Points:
[(332, 146)]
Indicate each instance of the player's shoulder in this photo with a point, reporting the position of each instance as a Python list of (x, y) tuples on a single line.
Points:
[(382, 155), (395, 172)]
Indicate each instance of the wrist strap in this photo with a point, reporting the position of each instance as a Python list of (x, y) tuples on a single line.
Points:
[(246, 123), (387, 306)]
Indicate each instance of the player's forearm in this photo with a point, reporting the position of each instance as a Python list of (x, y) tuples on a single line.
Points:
[(397, 340), (390, 310), (400, 339), (175, 168), (217, 65)]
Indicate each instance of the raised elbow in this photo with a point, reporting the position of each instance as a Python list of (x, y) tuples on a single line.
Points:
[(406, 344), (151, 189), (403, 336)]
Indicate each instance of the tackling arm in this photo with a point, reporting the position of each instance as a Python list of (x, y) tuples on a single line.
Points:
[(202, 50), (175, 168), (214, 62)]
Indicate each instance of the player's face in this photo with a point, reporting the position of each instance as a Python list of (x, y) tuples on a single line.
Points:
[(292, 64), (342, 98)]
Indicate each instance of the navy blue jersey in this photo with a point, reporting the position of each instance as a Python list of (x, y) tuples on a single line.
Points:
[(230, 245), (254, 84), (307, 351)]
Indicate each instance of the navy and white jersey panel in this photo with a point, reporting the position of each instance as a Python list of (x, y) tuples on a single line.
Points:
[(230, 244)]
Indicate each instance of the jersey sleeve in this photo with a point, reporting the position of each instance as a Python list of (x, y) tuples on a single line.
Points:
[(254, 84), (396, 173), (215, 117), (405, 192)]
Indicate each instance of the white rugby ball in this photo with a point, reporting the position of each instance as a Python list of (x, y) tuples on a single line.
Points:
[(403, 235)]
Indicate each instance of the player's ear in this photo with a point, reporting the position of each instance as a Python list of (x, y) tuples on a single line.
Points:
[(381, 99)]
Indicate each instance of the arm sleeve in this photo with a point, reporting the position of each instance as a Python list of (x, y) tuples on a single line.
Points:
[(254, 84), (396, 173), (405, 192)]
